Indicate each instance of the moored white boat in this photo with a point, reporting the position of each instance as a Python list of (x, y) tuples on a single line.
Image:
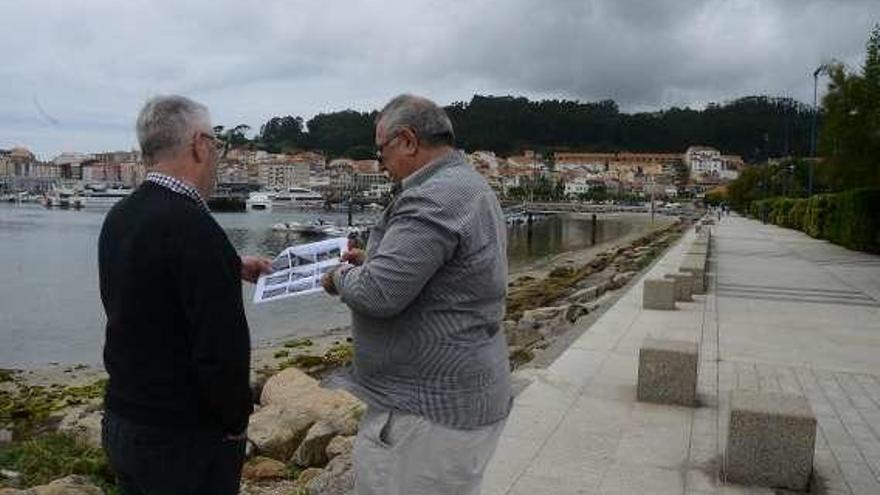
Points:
[(62, 197), (259, 201), (300, 228), (298, 197), (98, 196)]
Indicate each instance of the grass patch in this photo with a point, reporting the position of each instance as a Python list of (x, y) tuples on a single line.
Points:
[(520, 357), (338, 355), (56, 455), (293, 344), (28, 406), (281, 354), (561, 272), (6, 375)]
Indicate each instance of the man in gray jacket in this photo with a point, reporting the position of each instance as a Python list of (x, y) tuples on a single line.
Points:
[(427, 300)]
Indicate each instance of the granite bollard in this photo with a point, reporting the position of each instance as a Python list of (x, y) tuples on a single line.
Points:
[(696, 265), (683, 286), (668, 372), (770, 440), (658, 293)]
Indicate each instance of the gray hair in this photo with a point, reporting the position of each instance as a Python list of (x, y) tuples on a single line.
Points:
[(166, 123), (427, 120)]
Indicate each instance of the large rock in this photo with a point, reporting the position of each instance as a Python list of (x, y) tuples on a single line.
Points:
[(575, 311), (71, 485), (545, 322), (312, 451), (552, 320), (336, 479), (264, 468), (307, 475), (539, 315), (276, 430), (5, 436), (522, 333), (618, 280), (258, 379), (340, 446), (584, 295), (300, 393), (84, 423)]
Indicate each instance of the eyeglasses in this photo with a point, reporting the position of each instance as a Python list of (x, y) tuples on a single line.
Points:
[(381, 147), (221, 145), (445, 137)]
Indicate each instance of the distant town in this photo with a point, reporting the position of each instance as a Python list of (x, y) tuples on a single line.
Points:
[(529, 175)]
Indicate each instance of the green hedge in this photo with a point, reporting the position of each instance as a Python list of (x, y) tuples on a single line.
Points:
[(851, 218)]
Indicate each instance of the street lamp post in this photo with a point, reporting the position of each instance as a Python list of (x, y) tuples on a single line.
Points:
[(816, 73)]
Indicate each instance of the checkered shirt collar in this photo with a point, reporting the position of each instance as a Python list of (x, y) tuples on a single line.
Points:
[(178, 186)]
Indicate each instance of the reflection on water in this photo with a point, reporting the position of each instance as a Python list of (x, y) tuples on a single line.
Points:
[(554, 235), (50, 308)]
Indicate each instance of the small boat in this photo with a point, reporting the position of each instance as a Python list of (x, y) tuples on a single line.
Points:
[(259, 201), (315, 227), (336, 231), (62, 197)]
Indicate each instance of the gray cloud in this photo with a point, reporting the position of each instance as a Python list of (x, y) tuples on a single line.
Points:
[(91, 64)]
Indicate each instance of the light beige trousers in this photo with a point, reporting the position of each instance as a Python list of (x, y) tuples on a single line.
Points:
[(404, 454)]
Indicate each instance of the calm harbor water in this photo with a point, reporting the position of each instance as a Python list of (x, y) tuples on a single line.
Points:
[(50, 308)]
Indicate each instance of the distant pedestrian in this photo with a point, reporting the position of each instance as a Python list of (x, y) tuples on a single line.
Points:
[(177, 344), (427, 300)]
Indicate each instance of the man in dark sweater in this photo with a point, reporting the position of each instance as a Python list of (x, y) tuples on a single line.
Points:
[(177, 343)]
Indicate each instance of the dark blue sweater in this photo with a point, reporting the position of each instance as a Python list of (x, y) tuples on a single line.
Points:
[(177, 343)]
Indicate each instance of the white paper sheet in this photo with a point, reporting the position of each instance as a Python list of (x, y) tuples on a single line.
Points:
[(298, 270)]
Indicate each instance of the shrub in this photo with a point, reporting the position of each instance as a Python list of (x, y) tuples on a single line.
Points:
[(849, 219)]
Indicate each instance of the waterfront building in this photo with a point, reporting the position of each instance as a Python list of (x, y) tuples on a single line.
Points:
[(282, 175), (576, 187), (704, 163), (365, 181), (377, 191), (731, 165), (341, 174), (6, 167)]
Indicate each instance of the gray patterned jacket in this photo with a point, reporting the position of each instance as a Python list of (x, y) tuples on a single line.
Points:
[(427, 304)]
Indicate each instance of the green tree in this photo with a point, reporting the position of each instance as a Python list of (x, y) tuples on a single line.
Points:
[(755, 127), (282, 134), (850, 137)]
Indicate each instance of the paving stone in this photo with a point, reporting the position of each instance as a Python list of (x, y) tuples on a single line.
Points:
[(628, 479), (699, 480), (668, 372), (770, 441)]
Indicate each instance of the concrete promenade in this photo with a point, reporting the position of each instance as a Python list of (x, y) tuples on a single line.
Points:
[(783, 312)]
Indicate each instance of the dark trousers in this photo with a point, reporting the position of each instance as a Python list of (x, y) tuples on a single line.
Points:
[(149, 460)]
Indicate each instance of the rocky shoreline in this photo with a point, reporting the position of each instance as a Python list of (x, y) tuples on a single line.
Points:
[(301, 435)]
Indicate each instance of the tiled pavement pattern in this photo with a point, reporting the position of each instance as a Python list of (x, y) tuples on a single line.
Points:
[(784, 312)]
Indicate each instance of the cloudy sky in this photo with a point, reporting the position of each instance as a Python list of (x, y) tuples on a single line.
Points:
[(74, 73)]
